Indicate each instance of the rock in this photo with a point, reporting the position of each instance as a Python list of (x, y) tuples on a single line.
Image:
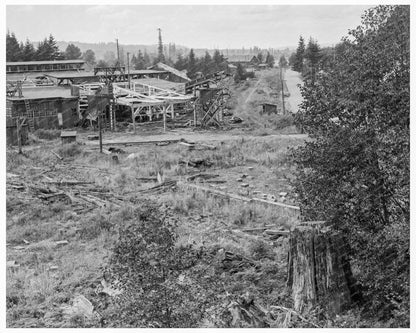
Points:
[(244, 185), (80, 306), (250, 168), (107, 289), (12, 264), (25, 241), (62, 242), (239, 179), (18, 247), (131, 156), (283, 194), (244, 176), (53, 268)]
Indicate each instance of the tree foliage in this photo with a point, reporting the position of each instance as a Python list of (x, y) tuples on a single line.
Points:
[(152, 272), (72, 52), (355, 172), (299, 55)]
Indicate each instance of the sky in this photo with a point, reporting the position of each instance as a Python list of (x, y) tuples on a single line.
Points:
[(196, 26)]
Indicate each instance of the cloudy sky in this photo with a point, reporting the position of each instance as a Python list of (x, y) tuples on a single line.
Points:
[(197, 26)]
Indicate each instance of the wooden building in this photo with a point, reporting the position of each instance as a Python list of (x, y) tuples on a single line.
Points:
[(44, 66), (244, 60), (44, 107)]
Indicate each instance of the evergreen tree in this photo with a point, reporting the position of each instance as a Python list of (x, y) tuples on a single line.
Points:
[(191, 65), (13, 51), (260, 57), (269, 60), (180, 63), (300, 53), (146, 59), (28, 52), (207, 64), (282, 61), (312, 56), (55, 53)]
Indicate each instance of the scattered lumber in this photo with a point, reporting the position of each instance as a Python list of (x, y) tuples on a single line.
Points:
[(202, 176), (160, 188), (132, 143), (147, 179), (196, 162), (57, 155), (276, 204), (292, 311)]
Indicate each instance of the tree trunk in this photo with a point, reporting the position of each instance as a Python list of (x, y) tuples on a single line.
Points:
[(319, 273)]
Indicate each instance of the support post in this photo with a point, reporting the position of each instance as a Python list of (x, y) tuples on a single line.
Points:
[(128, 68), (133, 118), (164, 118), (19, 135), (283, 93), (100, 131)]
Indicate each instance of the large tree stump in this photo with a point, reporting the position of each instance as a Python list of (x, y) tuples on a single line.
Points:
[(319, 273)]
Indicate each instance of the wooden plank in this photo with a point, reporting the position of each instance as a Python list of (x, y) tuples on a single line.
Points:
[(276, 204), (140, 142)]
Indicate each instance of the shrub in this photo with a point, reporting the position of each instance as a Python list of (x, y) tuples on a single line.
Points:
[(152, 271), (69, 150)]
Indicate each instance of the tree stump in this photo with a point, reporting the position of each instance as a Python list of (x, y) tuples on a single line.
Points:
[(319, 273)]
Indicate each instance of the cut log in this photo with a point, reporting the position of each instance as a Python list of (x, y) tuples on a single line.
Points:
[(319, 273)]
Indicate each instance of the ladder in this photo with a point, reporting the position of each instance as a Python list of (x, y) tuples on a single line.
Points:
[(29, 116)]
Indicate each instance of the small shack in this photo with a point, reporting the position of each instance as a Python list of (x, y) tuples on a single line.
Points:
[(68, 136), (269, 108)]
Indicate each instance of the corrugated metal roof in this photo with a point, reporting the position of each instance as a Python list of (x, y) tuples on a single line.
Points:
[(49, 62)]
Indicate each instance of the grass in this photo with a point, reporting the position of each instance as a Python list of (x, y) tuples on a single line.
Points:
[(35, 292)]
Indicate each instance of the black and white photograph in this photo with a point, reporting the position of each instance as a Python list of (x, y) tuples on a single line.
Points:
[(206, 165)]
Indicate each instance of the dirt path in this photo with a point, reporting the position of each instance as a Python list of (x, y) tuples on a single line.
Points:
[(295, 98)]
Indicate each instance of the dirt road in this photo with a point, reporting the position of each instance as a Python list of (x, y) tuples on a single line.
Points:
[(295, 98)]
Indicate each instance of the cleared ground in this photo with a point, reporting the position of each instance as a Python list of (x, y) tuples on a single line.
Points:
[(63, 215)]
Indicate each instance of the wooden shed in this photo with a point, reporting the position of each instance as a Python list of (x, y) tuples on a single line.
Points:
[(269, 108), (68, 136)]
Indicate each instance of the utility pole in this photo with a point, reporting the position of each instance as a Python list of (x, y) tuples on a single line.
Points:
[(19, 134), (100, 131), (128, 68), (118, 53), (283, 93)]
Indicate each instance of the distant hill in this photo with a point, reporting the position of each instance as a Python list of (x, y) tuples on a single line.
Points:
[(101, 48)]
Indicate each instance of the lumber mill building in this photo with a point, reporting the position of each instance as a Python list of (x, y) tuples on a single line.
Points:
[(65, 98)]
